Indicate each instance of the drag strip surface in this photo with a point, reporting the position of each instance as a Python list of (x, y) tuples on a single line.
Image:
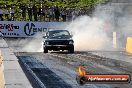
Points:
[(44, 74), (65, 66)]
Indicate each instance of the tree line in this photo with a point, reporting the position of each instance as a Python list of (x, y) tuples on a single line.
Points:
[(59, 3)]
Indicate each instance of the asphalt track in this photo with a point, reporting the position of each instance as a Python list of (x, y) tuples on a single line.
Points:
[(58, 69)]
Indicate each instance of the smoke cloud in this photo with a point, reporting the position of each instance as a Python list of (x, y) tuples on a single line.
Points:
[(93, 33), (33, 45), (88, 33), (96, 32)]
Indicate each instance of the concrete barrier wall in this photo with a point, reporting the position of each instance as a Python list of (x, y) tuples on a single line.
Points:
[(11, 73), (2, 81)]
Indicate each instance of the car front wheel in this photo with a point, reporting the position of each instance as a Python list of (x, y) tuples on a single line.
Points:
[(71, 50), (45, 50)]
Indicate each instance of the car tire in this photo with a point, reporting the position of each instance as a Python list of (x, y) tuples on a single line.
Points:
[(45, 50), (71, 50)]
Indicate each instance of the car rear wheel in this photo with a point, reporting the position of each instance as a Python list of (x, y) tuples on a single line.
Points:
[(45, 50)]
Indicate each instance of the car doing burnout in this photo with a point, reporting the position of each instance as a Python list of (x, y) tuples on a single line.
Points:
[(58, 40)]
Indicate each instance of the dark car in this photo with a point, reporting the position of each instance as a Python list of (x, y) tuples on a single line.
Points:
[(58, 40)]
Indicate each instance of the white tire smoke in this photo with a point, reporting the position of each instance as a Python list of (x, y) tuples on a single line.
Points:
[(89, 34)]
